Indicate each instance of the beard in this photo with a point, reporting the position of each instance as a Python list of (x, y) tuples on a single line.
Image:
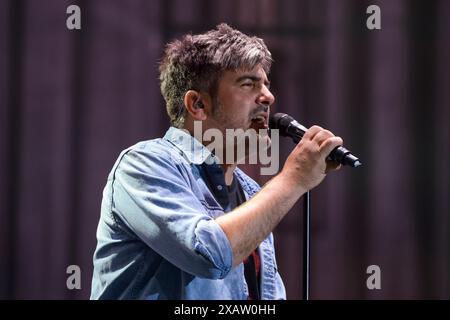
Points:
[(245, 137)]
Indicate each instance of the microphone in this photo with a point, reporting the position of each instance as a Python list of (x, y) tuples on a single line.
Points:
[(289, 127)]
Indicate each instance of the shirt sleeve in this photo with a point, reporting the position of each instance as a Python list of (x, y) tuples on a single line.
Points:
[(152, 196)]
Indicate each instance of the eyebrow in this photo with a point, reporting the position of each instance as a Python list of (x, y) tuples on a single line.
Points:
[(253, 78)]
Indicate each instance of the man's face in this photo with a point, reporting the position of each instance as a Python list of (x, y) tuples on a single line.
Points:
[(243, 100)]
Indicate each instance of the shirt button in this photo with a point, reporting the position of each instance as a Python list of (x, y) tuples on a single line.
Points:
[(219, 187)]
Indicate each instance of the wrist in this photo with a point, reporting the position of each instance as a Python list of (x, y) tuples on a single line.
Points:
[(289, 182)]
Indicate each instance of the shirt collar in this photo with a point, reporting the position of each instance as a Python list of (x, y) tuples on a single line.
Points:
[(194, 151)]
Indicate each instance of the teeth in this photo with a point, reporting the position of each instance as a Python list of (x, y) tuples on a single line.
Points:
[(259, 118)]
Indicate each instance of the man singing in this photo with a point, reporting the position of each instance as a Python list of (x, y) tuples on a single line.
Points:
[(179, 221)]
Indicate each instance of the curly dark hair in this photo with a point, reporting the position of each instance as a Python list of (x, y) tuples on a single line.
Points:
[(196, 62)]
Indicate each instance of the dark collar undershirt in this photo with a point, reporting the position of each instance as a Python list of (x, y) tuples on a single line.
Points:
[(251, 263)]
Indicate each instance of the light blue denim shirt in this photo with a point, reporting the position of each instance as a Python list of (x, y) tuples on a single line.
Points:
[(157, 237)]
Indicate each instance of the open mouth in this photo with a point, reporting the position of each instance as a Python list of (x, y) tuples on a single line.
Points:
[(259, 122)]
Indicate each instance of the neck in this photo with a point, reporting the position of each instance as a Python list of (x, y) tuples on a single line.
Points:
[(228, 172), (227, 168)]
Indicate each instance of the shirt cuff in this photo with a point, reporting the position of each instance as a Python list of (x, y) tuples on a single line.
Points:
[(212, 243)]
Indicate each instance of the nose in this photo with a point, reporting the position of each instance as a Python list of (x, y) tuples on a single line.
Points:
[(266, 97)]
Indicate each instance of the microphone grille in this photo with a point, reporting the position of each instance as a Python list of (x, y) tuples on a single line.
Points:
[(280, 121)]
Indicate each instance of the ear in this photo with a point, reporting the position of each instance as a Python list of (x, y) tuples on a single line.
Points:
[(194, 105)]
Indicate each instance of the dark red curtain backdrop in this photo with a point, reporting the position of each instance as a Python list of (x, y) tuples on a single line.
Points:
[(72, 100)]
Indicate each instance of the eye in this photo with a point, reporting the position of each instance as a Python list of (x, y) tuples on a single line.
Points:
[(247, 84)]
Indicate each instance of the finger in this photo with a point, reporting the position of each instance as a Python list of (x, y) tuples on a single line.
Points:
[(329, 144), (309, 135), (332, 166), (321, 136)]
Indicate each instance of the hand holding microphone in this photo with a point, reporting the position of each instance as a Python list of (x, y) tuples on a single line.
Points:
[(289, 127), (317, 152)]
